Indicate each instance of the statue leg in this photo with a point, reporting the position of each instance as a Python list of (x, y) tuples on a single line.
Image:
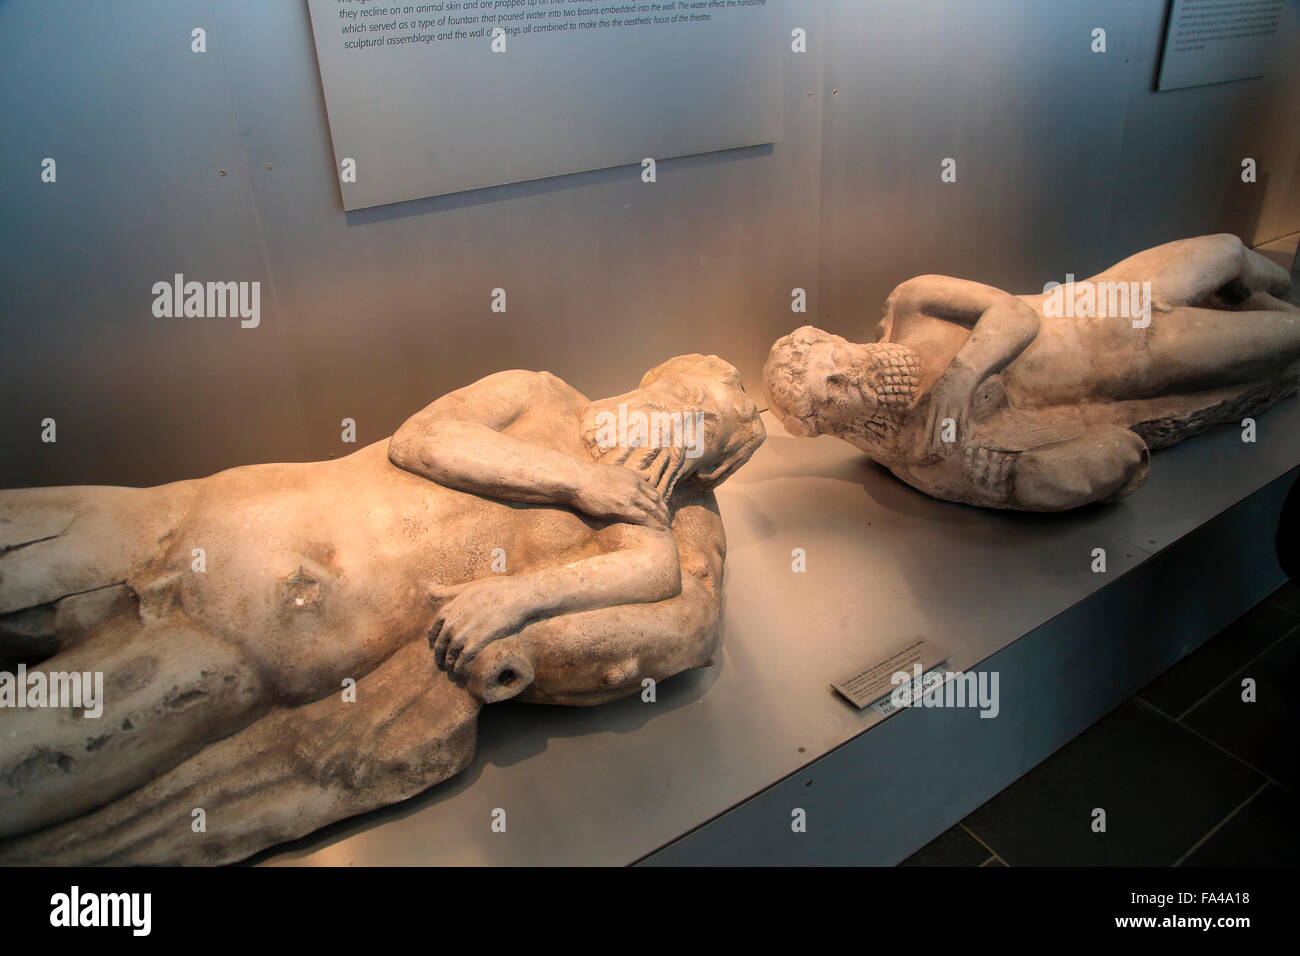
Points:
[(1190, 349), (285, 775), (66, 555), (153, 691), (1189, 271), (1105, 462)]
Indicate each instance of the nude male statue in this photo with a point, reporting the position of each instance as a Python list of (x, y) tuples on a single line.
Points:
[(227, 688), (975, 395)]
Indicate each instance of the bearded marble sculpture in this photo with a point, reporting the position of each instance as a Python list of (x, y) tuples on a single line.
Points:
[(1052, 401), (227, 689)]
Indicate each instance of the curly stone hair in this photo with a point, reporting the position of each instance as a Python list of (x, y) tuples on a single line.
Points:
[(801, 364)]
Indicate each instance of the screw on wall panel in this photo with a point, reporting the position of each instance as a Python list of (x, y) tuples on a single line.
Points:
[(221, 172), (268, 165), (810, 92), (835, 92)]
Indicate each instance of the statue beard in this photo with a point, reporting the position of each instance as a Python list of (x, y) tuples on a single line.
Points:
[(888, 380)]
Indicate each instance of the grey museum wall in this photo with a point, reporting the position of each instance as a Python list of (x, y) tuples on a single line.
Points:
[(1066, 161)]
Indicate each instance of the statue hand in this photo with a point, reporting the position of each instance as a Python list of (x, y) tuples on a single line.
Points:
[(950, 398), (987, 468), (612, 491), (472, 616)]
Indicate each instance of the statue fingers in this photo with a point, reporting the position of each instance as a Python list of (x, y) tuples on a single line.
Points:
[(446, 627), (469, 652), (1004, 467), (647, 508), (642, 458), (454, 647), (650, 494), (658, 466), (942, 415), (467, 643), (932, 427), (656, 508), (461, 628), (438, 641), (669, 478), (616, 455)]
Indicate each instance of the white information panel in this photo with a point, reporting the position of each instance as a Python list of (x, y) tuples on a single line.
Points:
[(1213, 41), (427, 98)]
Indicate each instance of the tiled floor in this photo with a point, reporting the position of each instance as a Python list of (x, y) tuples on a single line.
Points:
[(1187, 772)]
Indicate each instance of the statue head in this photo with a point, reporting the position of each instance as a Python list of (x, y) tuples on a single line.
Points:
[(821, 383), (689, 419)]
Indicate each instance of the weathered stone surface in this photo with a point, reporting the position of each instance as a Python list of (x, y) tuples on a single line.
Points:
[(286, 645), (1051, 401)]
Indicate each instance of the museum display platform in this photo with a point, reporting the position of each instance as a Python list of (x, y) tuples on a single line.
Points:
[(711, 772)]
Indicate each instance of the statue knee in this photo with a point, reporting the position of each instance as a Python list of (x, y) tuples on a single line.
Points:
[(1104, 464)]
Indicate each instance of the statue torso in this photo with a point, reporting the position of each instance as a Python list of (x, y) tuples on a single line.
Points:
[(320, 570)]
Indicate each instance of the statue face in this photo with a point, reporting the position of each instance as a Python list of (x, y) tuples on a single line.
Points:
[(837, 371), (835, 379), (704, 404), (872, 388), (821, 383), (695, 416), (698, 414)]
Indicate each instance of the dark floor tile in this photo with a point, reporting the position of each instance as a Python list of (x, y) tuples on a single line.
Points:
[(1263, 733), (1180, 687), (1287, 596), (1265, 832), (1162, 787), (953, 847)]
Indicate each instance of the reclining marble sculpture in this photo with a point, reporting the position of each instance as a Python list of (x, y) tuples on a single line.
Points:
[(1051, 401), (226, 689)]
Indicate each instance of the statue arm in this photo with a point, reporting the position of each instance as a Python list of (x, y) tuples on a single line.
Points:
[(639, 565), (594, 656), (458, 442), (1002, 326)]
